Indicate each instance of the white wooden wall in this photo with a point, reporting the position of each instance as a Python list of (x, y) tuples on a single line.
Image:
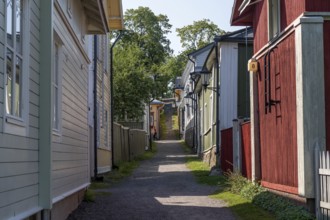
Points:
[(19, 154), (228, 84), (70, 152)]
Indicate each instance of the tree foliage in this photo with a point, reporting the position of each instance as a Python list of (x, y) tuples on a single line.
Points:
[(198, 34), (138, 58)]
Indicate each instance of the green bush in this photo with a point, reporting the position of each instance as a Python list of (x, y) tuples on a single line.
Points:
[(282, 208)]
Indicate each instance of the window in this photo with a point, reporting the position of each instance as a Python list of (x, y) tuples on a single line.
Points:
[(14, 58), (56, 83), (273, 18)]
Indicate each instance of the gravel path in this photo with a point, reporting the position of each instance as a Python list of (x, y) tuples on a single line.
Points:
[(161, 188)]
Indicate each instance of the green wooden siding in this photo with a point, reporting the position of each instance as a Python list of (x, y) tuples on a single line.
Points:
[(243, 96)]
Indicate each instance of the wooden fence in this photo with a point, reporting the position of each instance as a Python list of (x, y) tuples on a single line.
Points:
[(226, 152), (128, 143), (246, 149), (322, 162)]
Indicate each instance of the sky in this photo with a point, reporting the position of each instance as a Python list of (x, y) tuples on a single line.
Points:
[(185, 12)]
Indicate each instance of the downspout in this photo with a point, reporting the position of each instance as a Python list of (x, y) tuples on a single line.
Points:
[(217, 136), (95, 106), (111, 97), (194, 105)]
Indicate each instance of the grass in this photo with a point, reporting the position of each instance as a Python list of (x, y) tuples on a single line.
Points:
[(242, 207), (175, 125)]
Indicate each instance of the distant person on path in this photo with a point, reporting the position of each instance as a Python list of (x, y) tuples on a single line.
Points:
[(155, 134)]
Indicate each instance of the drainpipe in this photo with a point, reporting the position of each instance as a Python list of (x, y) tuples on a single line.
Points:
[(111, 97), (218, 100), (194, 105), (95, 106)]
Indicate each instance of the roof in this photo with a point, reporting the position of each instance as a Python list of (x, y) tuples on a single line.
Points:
[(237, 36), (242, 12), (199, 56), (178, 83), (156, 102), (115, 15)]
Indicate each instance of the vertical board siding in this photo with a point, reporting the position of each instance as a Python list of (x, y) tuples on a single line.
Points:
[(290, 10), (226, 150), (246, 150), (19, 158), (318, 5), (228, 82), (278, 136), (260, 26), (70, 168), (245, 53), (326, 42)]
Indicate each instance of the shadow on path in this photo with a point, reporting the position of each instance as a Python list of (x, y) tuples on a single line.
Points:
[(161, 188)]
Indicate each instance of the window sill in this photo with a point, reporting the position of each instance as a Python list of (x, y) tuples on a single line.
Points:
[(15, 126)]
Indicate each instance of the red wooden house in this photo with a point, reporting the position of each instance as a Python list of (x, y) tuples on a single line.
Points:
[(290, 102)]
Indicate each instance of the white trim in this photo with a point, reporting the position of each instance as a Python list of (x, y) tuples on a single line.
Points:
[(69, 193), (12, 124), (104, 169), (26, 214), (75, 38)]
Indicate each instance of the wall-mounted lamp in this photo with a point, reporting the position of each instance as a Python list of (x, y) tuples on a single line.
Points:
[(204, 75), (253, 65)]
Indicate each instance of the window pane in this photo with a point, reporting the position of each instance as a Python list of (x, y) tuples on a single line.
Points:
[(18, 87), (9, 72), (19, 23), (55, 112), (9, 22)]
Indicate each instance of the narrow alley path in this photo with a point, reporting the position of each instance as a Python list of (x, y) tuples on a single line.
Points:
[(161, 188)]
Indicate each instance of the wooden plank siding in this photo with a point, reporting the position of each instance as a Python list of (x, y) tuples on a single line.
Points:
[(317, 5), (278, 137), (290, 10), (228, 82), (246, 150), (326, 42), (226, 150), (19, 155), (70, 153), (245, 53)]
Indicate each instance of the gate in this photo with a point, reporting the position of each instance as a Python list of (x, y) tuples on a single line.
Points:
[(322, 162)]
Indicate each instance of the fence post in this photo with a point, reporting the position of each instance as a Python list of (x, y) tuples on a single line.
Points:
[(317, 182), (237, 142)]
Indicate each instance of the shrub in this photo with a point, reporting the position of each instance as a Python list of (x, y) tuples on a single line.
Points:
[(282, 208)]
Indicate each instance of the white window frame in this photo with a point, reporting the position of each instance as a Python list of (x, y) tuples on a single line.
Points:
[(57, 72), (17, 125), (69, 8), (274, 19)]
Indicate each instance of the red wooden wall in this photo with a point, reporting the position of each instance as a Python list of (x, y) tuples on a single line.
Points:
[(317, 5), (290, 10), (278, 129), (327, 79), (246, 150), (226, 152)]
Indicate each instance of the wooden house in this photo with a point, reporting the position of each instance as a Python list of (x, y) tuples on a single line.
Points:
[(289, 84), (44, 133), (229, 54), (99, 105)]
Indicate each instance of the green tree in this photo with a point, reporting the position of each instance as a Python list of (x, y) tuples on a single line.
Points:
[(198, 34), (138, 58)]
